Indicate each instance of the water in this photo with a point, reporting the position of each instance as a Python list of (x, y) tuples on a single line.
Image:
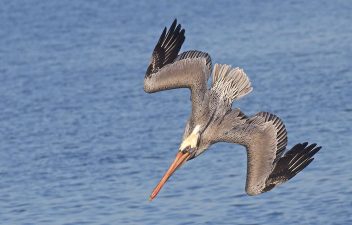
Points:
[(81, 143)]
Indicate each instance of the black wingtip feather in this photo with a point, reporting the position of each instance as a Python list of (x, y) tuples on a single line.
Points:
[(167, 48), (178, 28), (162, 36), (313, 151), (304, 165), (293, 162)]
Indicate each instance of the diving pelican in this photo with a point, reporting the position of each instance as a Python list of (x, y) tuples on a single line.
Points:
[(214, 120)]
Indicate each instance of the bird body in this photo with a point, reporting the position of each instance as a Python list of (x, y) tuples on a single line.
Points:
[(214, 120)]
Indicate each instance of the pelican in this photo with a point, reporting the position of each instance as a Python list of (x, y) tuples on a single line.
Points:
[(213, 120)]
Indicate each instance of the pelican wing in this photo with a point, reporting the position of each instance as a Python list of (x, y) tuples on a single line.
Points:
[(167, 48), (265, 138), (168, 70)]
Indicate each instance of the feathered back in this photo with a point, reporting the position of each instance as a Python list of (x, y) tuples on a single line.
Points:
[(230, 83)]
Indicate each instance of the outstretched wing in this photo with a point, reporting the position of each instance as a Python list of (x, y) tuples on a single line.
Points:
[(168, 70), (266, 142), (265, 138)]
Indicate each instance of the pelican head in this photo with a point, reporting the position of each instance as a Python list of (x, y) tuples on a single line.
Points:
[(187, 150)]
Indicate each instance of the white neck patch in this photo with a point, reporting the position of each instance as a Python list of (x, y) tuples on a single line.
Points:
[(196, 129), (192, 139)]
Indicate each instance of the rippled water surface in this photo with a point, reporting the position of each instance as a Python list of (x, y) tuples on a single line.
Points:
[(81, 143)]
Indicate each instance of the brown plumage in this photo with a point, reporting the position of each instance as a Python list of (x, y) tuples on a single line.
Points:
[(214, 120)]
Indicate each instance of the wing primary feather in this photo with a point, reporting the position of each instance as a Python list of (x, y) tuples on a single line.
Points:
[(167, 48)]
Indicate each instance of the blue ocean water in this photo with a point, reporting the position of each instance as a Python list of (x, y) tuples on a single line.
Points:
[(81, 143)]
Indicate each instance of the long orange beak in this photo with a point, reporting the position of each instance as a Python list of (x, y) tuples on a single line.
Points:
[(179, 160)]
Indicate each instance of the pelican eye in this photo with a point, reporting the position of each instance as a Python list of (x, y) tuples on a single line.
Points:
[(186, 149)]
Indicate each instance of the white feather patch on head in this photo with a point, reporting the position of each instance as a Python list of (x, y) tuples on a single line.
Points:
[(192, 139), (196, 129)]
